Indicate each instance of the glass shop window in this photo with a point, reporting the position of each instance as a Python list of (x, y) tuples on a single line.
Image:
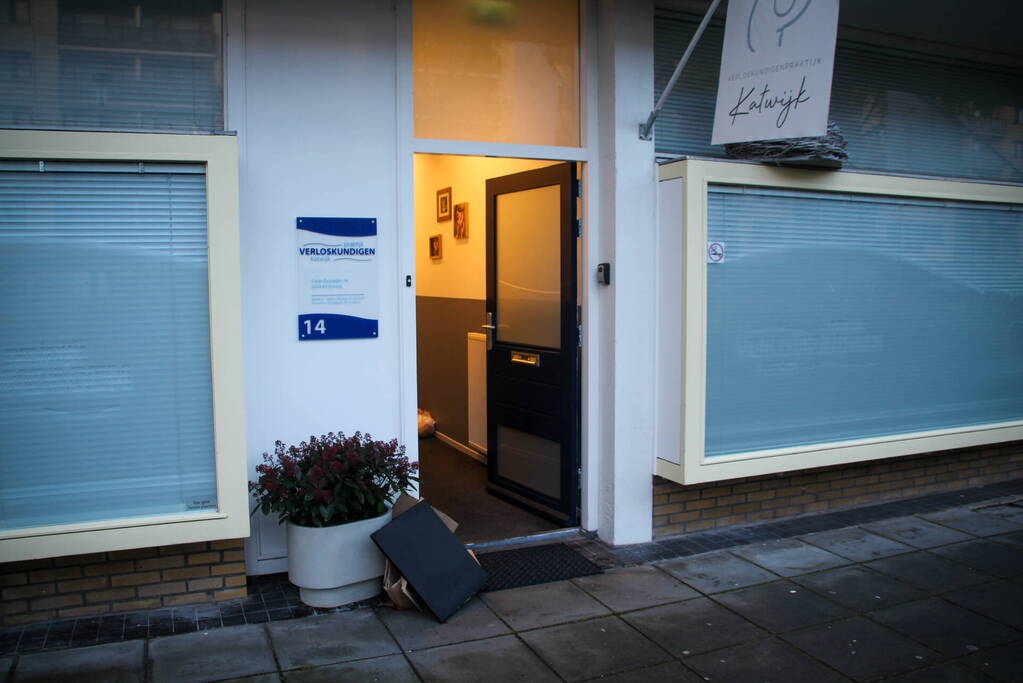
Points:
[(153, 65), (106, 408), (885, 101)]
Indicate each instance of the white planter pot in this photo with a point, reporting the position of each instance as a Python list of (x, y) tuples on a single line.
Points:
[(335, 565)]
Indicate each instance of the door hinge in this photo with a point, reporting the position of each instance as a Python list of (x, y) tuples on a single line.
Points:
[(577, 188), (578, 227), (579, 334)]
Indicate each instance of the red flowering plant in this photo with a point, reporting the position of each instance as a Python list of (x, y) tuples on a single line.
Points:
[(333, 479)]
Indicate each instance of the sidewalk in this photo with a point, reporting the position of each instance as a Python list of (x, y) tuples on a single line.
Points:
[(929, 597)]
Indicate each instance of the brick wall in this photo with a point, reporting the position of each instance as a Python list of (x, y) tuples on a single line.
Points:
[(678, 509), (84, 585)]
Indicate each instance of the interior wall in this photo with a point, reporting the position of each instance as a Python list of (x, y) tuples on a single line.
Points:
[(451, 291)]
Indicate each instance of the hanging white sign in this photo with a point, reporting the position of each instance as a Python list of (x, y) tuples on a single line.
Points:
[(337, 278), (776, 67)]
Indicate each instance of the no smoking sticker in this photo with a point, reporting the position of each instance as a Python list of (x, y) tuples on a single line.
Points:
[(715, 252)]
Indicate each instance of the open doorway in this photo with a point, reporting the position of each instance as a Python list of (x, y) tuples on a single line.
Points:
[(497, 357)]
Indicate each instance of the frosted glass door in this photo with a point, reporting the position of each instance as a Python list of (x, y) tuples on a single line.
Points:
[(529, 267), (532, 361)]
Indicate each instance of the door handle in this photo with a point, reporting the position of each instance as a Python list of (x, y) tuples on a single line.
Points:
[(490, 327)]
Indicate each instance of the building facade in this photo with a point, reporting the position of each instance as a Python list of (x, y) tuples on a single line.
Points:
[(861, 341)]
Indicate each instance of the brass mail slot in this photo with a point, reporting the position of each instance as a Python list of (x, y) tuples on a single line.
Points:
[(525, 358)]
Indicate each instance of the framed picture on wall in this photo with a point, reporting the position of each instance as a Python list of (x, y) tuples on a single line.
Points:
[(444, 204), (435, 247), (461, 227)]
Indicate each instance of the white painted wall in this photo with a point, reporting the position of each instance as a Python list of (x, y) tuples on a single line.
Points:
[(311, 94), (670, 312), (628, 187), (321, 102)]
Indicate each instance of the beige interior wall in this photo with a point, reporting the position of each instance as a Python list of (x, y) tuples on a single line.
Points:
[(461, 272)]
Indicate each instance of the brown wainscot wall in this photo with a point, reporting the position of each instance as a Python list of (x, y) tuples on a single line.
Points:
[(680, 509), (84, 585)]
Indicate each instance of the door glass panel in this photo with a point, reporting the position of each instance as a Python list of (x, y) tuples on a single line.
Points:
[(497, 71), (528, 230), (529, 460)]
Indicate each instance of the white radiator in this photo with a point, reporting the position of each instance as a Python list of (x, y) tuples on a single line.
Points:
[(477, 363)]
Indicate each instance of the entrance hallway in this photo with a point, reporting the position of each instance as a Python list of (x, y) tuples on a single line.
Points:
[(932, 594), (456, 484)]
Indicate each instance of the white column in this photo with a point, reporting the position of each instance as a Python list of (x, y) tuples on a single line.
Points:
[(628, 187)]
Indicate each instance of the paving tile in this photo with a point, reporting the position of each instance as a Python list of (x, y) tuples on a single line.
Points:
[(669, 671), (59, 634), (857, 544), (917, 532), (860, 589), (415, 630), (782, 606), (111, 662), (161, 623), (86, 632), (928, 571), (1001, 663), (766, 660), (861, 649), (634, 588), (715, 572), (691, 627), (391, 668), (1015, 538), (945, 627), (543, 605), (972, 522), (998, 559), (9, 640), (1001, 601), (33, 638), (210, 655), (262, 678), (495, 660), (598, 647), (949, 672), (1012, 512), (790, 557), (330, 639)]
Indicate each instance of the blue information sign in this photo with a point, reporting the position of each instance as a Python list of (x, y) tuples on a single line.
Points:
[(337, 278)]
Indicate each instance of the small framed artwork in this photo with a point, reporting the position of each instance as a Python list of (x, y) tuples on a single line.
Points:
[(444, 204), (435, 247), (461, 228)]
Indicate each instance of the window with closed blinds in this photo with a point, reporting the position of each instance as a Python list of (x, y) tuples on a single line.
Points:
[(114, 65), (887, 102), (106, 400), (843, 316)]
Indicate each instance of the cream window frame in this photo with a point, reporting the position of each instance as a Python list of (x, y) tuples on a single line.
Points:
[(231, 519), (693, 466)]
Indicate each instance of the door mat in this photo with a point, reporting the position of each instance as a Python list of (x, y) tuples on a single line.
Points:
[(530, 566)]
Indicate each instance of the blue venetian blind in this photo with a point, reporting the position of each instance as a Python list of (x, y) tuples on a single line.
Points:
[(113, 65), (105, 384), (838, 317), (887, 102)]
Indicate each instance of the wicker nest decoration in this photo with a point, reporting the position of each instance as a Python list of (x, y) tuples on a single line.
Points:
[(826, 151)]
